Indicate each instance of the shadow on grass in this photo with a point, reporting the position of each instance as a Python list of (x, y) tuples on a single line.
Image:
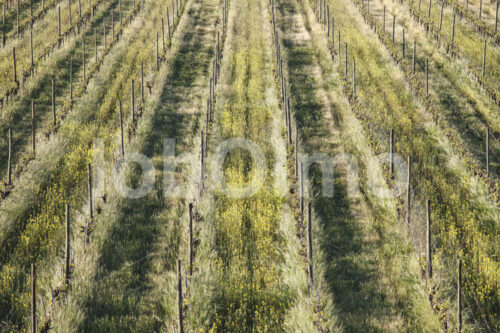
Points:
[(119, 300), (351, 268)]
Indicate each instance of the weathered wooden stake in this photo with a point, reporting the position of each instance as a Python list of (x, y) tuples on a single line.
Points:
[(296, 152), (328, 20), (393, 28), (488, 151), (496, 18), (104, 34), (301, 188), (157, 53), (346, 58), (408, 194), (168, 27), (95, 43), (91, 205), (15, 64), (414, 57), (33, 141), (190, 239), (121, 130), (3, 26), (54, 102), (80, 9), (33, 298), (68, 246), (9, 163), (309, 246), (31, 50), (113, 24), (163, 33), (430, 6), (132, 94), (69, 11), (441, 16), (142, 82), (17, 20), (484, 58), (84, 64), (120, 12), (459, 295), (59, 20), (429, 244), (427, 76), (202, 158), (179, 297), (453, 31), (480, 8), (391, 151), (403, 44), (354, 78)]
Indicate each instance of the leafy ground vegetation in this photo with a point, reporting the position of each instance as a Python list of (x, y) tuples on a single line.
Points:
[(97, 81)]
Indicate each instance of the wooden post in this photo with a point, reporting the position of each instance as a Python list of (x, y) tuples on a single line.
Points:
[(179, 296), (95, 43), (480, 8), (157, 53), (427, 76), (414, 57), (202, 158), (9, 163), (354, 78), (496, 18), (132, 94), (121, 129), (408, 194), (393, 28), (419, 2), (339, 45), (104, 34), (429, 12), (163, 33), (328, 20), (33, 298), (484, 58), (3, 26), (71, 79), (296, 152), (289, 122), (17, 20), (59, 20), (113, 24), (142, 82), (488, 151), (80, 9), (190, 239), (69, 11), (68, 246), (168, 26), (459, 295), (391, 151), (441, 16), (429, 239), (301, 189), (84, 65), (403, 44), (453, 31), (120, 11), (333, 32), (31, 50), (33, 141), (54, 102), (15, 64), (346, 59), (310, 247), (91, 206)]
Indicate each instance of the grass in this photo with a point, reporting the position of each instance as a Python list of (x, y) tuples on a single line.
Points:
[(129, 283), (355, 232)]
